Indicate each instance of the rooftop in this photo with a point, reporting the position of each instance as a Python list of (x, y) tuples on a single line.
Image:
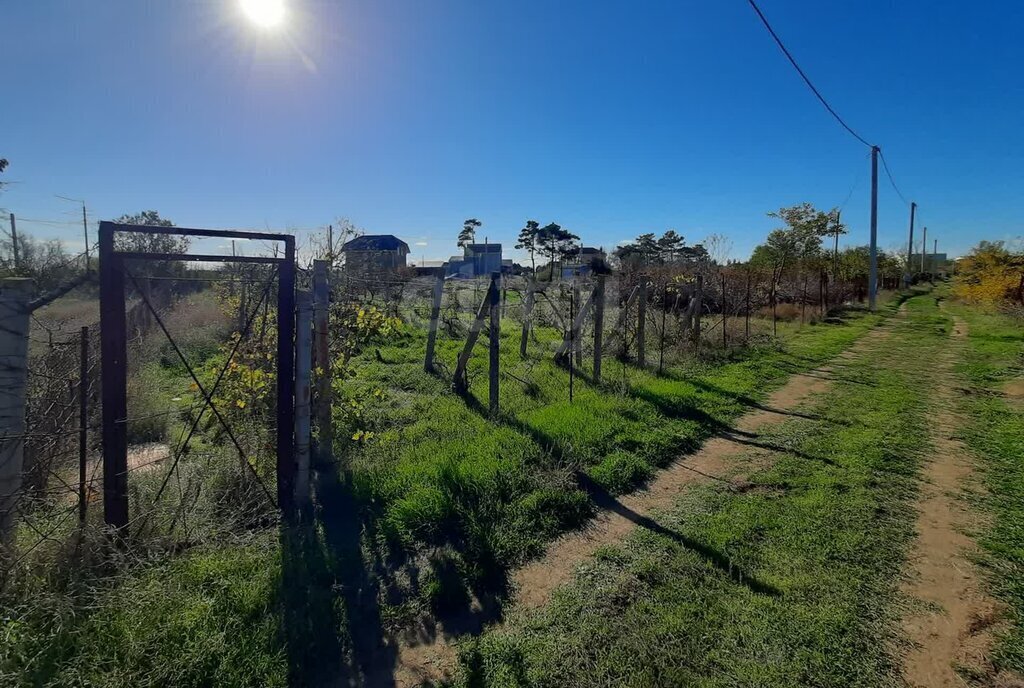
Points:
[(375, 242)]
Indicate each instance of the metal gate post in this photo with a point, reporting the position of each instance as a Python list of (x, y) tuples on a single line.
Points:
[(114, 369)]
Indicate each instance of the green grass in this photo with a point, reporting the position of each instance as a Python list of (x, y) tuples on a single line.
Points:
[(443, 500), (789, 582), (441, 473), (995, 431)]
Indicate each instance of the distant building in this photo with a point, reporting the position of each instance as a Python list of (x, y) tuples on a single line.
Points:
[(937, 263), (586, 261), (375, 254), (478, 260)]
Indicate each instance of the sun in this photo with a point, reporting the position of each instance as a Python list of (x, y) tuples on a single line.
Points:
[(264, 13)]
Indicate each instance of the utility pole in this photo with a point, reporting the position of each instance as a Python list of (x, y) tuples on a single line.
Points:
[(924, 246), (935, 255), (85, 226), (873, 269), (14, 242), (910, 246)]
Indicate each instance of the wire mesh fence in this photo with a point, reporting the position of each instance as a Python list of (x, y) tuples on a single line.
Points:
[(202, 368)]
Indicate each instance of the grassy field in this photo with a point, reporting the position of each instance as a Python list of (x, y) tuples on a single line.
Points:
[(432, 512), (995, 431), (813, 550)]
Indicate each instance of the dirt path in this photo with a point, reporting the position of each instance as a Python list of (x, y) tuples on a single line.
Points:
[(435, 661), (952, 629)]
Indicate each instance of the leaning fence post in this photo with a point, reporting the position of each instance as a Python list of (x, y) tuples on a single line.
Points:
[(83, 421), (641, 324), (598, 326), (494, 344), (321, 311), (435, 315), (15, 293), (459, 379), (527, 316), (303, 366)]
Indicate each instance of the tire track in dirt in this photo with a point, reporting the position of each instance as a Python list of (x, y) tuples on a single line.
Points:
[(954, 630), (435, 660)]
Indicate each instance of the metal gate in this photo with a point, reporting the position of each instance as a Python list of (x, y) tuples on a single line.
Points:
[(114, 351)]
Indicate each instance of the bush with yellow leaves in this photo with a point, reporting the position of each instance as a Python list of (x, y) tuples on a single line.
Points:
[(992, 275)]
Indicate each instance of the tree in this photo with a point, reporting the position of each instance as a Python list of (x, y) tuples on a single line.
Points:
[(528, 240), (468, 234), (669, 245), (643, 250), (834, 228), (137, 242), (555, 243)]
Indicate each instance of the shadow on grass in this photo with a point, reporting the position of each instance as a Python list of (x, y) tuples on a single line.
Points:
[(605, 501), (331, 617)]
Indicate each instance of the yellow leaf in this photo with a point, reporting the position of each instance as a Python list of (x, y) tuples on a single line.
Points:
[(239, 403)]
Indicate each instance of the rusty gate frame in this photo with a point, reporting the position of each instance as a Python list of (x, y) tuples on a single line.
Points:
[(114, 353)]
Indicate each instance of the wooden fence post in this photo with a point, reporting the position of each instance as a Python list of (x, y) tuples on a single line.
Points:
[(494, 348), (15, 293), (83, 421), (324, 392), (620, 322), (725, 338), (577, 317), (460, 381), (661, 338), (803, 302), (641, 324), (527, 316), (303, 367), (598, 326), (698, 308), (746, 317), (435, 314)]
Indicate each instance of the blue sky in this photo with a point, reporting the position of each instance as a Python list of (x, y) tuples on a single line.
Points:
[(614, 118)]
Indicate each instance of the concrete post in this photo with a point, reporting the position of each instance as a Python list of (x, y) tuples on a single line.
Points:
[(303, 366), (15, 293), (321, 307)]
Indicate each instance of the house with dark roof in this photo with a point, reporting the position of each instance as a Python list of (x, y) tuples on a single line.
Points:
[(375, 254)]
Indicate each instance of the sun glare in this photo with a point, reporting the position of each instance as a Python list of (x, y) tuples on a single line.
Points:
[(264, 13)]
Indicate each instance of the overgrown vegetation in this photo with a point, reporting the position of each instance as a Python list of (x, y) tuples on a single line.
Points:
[(992, 275)]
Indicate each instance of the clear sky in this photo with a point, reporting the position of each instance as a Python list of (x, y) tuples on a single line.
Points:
[(610, 118)]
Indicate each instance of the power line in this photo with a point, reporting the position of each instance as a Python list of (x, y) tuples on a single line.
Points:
[(807, 81), (892, 181)]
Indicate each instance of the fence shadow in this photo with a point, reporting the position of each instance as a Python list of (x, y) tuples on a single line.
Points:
[(606, 501), (331, 618)]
